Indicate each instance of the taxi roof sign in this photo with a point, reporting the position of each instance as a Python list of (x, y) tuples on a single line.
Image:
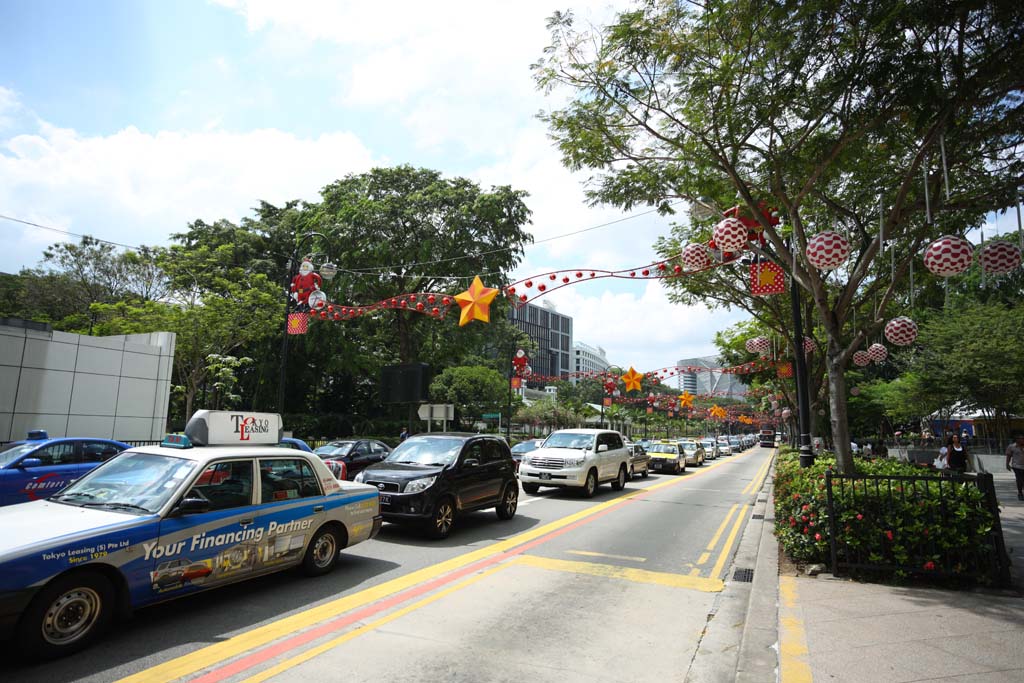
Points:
[(176, 441), (234, 428)]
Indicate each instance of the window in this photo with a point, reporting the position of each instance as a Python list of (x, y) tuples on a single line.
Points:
[(287, 479), (98, 451), (377, 448), (62, 453), (492, 451), (474, 451), (225, 484), (614, 441)]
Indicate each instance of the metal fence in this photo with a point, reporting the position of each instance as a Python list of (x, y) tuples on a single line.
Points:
[(953, 505)]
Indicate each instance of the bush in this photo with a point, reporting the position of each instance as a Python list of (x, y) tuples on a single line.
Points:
[(934, 526)]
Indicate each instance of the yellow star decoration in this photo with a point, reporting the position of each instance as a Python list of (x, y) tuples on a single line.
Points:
[(717, 411), (765, 277), (475, 302), (686, 399), (632, 380)]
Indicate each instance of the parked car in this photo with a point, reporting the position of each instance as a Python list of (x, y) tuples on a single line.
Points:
[(667, 456), (141, 528), (577, 458), (352, 455), (694, 453), (295, 444), (431, 479), (711, 451), (639, 461), (724, 447), (37, 467), (524, 447)]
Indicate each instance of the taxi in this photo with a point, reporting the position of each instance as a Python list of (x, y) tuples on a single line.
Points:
[(40, 466), (667, 456), (219, 504)]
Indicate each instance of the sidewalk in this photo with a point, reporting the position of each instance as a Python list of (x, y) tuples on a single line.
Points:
[(834, 629)]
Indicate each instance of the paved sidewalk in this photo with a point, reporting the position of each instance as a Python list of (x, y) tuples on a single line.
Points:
[(833, 629)]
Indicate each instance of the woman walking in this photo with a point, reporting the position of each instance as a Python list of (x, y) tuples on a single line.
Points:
[(956, 454)]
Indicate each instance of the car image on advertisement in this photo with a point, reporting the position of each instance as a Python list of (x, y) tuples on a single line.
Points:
[(431, 479), (38, 467), (218, 504)]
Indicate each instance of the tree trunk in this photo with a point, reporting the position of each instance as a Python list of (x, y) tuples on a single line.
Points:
[(837, 397)]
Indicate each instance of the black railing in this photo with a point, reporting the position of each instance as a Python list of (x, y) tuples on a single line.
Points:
[(943, 526)]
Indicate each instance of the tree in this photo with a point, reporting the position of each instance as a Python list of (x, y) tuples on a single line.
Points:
[(833, 111), (473, 390)]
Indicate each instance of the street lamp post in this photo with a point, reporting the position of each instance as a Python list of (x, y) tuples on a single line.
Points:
[(328, 270), (803, 402)]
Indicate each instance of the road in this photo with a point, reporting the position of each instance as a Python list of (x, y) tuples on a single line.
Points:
[(615, 588)]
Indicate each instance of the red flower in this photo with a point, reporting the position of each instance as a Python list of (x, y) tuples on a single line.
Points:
[(812, 523), (859, 516), (929, 566), (803, 518), (804, 508), (805, 530), (792, 522), (888, 534), (817, 537)]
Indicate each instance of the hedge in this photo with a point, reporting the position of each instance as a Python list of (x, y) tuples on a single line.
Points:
[(900, 533)]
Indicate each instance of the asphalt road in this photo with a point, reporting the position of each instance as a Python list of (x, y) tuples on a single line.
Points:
[(615, 588)]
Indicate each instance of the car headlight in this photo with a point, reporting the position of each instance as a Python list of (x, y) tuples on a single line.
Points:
[(360, 477), (417, 485), (574, 462), (526, 460)]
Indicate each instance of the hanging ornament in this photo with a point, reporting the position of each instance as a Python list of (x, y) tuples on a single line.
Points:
[(316, 299), (855, 391), (878, 352), (808, 345), (785, 370), (778, 413), (827, 250), (730, 234), (760, 345), (999, 256), (948, 255), (775, 404), (786, 413), (861, 358), (695, 257), (901, 331)]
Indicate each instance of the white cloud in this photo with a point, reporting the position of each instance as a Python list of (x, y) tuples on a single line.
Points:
[(9, 106)]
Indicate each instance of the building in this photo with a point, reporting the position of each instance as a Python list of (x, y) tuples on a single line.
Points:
[(552, 333), (705, 382), (589, 359), (115, 387)]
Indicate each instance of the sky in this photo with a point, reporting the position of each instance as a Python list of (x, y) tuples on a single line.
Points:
[(127, 120)]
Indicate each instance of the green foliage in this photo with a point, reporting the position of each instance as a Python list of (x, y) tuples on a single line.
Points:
[(922, 529), (473, 390)]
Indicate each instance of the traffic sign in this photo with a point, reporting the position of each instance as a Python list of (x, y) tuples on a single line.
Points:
[(437, 411)]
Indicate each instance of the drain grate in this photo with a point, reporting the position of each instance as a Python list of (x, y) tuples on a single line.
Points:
[(757, 516), (762, 500), (743, 575)]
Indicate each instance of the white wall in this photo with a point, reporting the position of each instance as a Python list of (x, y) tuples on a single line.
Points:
[(73, 385)]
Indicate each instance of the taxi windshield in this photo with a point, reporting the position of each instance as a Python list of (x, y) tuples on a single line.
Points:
[(12, 453), (570, 440), (134, 482), (426, 451), (689, 446), (663, 448)]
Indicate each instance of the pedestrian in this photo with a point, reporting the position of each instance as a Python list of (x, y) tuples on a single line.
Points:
[(404, 435), (956, 454), (1015, 462), (867, 449)]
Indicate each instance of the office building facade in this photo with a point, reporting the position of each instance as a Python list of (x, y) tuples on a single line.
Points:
[(709, 381), (589, 358), (552, 333)]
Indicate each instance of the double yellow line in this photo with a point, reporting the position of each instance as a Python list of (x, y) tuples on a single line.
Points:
[(758, 481)]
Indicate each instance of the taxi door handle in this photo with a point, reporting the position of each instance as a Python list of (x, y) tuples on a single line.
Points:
[(318, 508), (245, 522)]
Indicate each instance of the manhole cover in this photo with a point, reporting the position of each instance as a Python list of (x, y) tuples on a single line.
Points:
[(757, 516), (743, 574)]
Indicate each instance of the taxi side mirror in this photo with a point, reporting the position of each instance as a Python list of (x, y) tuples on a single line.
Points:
[(191, 506), (30, 462)]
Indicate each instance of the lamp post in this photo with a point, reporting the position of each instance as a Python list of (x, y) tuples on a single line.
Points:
[(291, 305), (803, 402)]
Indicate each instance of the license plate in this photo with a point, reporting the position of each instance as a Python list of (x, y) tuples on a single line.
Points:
[(545, 475), (385, 499)]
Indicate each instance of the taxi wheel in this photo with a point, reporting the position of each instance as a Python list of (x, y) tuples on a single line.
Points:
[(322, 553), (530, 488), (677, 469), (619, 482), (647, 470), (66, 616), (506, 509), (443, 519), (590, 486)]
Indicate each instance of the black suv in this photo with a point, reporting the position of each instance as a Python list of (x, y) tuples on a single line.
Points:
[(432, 478)]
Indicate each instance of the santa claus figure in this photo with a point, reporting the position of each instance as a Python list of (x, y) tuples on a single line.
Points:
[(305, 283)]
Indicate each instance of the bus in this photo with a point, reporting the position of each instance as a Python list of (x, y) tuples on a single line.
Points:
[(767, 437)]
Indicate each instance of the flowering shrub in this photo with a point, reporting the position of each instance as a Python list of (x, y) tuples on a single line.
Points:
[(928, 526)]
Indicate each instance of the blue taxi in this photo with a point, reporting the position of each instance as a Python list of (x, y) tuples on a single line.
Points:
[(38, 467), (220, 504)]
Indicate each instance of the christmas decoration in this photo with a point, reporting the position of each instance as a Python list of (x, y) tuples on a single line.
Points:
[(786, 413), (317, 300), (878, 352), (785, 370), (520, 361), (751, 345), (686, 400), (999, 256), (632, 380), (761, 344), (948, 255), (695, 257), (305, 283), (298, 323), (901, 331), (730, 234), (855, 391), (766, 278), (717, 412), (827, 250), (610, 385), (475, 302), (808, 345), (861, 358)]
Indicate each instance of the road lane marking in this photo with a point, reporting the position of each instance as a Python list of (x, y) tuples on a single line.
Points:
[(305, 656), (761, 471), (762, 475), (392, 592), (589, 553), (727, 546), (793, 664), (718, 534), (610, 571)]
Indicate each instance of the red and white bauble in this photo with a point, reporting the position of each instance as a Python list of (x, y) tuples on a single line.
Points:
[(786, 413), (948, 255), (808, 345), (750, 345), (861, 358), (901, 331), (999, 256), (760, 345), (827, 250), (317, 300), (730, 234), (695, 257), (878, 352)]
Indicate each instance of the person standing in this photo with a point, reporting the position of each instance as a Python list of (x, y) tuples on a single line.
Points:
[(956, 454), (1015, 462), (404, 435)]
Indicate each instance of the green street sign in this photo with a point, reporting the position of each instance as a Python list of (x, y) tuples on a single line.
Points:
[(491, 416)]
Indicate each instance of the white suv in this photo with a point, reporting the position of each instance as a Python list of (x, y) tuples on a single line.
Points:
[(578, 458)]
